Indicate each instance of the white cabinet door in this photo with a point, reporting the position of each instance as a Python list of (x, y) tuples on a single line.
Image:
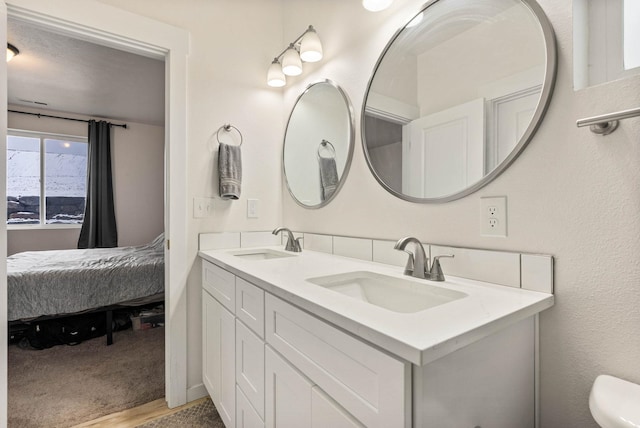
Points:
[(288, 400), (219, 372), (210, 337), (250, 366), (327, 413), (246, 415)]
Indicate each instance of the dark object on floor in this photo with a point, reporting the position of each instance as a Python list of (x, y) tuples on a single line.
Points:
[(71, 330), (65, 331), (201, 415)]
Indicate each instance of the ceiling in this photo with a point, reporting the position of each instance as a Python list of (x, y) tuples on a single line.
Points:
[(59, 73)]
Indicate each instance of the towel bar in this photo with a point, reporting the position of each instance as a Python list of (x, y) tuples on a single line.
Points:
[(607, 123), (227, 127)]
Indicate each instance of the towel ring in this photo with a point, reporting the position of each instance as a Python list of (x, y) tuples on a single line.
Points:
[(324, 144), (227, 127)]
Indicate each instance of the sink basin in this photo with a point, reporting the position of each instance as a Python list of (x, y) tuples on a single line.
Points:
[(395, 294), (260, 254)]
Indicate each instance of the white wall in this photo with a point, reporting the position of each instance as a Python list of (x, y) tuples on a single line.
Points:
[(571, 194), (232, 45), (138, 182)]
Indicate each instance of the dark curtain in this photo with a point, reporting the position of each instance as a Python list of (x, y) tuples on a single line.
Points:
[(99, 225)]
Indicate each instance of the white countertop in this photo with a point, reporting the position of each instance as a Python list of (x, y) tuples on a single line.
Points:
[(419, 337)]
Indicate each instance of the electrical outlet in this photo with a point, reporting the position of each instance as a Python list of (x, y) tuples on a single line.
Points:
[(493, 216)]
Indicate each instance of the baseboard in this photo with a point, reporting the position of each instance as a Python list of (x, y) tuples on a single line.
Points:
[(196, 392)]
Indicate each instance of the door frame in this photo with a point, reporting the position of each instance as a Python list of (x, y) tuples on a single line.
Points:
[(117, 28)]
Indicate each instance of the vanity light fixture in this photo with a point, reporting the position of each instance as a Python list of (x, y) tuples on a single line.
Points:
[(306, 47), (275, 76), (291, 62), (376, 5), (11, 51)]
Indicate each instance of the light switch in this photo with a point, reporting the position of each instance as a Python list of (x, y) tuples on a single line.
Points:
[(202, 207), (252, 208)]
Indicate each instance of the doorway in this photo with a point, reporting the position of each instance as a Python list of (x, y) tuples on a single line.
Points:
[(112, 27)]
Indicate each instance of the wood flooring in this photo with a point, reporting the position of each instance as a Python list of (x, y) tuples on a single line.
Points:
[(131, 418)]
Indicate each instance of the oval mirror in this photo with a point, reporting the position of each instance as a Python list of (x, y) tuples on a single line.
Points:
[(318, 144), (456, 95)]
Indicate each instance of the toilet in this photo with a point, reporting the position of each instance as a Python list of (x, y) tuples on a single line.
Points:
[(615, 403)]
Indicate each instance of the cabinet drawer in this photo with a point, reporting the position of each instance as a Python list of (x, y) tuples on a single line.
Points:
[(250, 366), (220, 284), (246, 416), (370, 384), (250, 305), (327, 413)]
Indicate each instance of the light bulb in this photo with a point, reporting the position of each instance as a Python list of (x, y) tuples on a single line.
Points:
[(310, 46), (376, 5), (12, 51), (415, 21), (275, 76), (291, 64)]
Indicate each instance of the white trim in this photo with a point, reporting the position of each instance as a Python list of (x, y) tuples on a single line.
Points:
[(196, 392), (28, 133), (16, 226), (110, 26), (3, 227)]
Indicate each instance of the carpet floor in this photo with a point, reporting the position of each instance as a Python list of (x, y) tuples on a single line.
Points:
[(66, 385)]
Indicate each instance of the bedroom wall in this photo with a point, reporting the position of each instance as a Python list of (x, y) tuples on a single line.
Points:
[(571, 194), (138, 182)]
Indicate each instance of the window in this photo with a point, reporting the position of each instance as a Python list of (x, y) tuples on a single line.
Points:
[(606, 34), (46, 178)]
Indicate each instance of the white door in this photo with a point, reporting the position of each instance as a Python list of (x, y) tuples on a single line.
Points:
[(218, 365), (288, 397), (444, 151), (509, 117)]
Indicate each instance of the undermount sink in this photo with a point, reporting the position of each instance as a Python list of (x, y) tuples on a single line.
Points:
[(395, 294), (260, 254)]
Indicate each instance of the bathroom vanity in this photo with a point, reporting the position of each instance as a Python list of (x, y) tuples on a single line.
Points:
[(318, 340)]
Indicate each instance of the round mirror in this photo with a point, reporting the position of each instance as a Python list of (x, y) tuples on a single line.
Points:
[(318, 144), (456, 95)]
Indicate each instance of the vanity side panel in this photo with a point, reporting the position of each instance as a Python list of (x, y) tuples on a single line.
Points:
[(489, 383)]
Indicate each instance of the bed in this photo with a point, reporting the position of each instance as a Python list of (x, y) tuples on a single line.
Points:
[(43, 284)]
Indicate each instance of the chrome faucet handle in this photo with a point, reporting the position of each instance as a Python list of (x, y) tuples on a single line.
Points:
[(436, 274)]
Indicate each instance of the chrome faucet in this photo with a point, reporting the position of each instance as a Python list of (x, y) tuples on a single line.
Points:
[(292, 244), (418, 262)]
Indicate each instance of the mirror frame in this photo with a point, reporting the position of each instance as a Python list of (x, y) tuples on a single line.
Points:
[(541, 108), (352, 134)]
